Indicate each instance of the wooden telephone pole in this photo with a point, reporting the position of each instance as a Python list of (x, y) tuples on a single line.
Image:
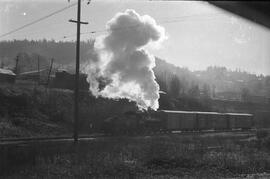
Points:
[(38, 67), (49, 74), (16, 64), (76, 89)]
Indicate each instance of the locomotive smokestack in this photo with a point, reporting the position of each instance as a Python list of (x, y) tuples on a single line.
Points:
[(122, 63)]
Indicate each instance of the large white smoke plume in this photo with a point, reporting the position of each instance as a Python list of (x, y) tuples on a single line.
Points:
[(121, 67)]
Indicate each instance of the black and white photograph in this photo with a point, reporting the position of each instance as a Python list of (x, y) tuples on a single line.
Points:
[(134, 89)]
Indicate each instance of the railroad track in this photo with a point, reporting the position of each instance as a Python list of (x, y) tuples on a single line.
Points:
[(236, 131), (26, 140), (29, 140)]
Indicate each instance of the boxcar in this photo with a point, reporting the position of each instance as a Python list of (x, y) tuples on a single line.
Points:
[(180, 120), (221, 122), (192, 120), (240, 120), (205, 120), (212, 121), (262, 119)]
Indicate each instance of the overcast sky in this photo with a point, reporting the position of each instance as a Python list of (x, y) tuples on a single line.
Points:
[(199, 34)]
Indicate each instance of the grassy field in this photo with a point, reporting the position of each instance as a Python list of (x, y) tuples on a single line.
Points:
[(166, 156), (38, 112)]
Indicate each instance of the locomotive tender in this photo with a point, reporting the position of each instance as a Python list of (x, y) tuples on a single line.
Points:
[(168, 121)]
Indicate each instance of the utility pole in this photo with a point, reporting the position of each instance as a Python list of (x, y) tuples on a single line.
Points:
[(16, 65), (76, 88), (49, 74), (38, 69)]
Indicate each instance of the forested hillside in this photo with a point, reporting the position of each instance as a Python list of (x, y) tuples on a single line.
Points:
[(211, 81), (62, 52), (173, 80)]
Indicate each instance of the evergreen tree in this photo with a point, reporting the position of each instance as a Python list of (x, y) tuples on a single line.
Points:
[(194, 91), (175, 86), (206, 91)]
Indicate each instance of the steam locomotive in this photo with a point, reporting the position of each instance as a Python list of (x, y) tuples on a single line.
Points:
[(169, 121)]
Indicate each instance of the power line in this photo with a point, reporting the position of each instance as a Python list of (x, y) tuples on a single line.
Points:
[(174, 20), (83, 33), (38, 20)]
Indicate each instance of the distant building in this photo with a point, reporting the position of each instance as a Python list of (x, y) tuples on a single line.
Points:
[(258, 99), (7, 76), (35, 75), (235, 96), (228, 95), (31, 78)]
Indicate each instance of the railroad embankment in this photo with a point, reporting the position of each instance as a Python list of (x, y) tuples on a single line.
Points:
[(37, 111), (27, 112)]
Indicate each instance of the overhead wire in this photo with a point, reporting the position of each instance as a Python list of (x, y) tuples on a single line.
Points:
[(38, 20), (175, 20)]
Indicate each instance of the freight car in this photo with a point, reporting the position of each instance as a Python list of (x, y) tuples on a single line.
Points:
[(168, 121), (197, 121)]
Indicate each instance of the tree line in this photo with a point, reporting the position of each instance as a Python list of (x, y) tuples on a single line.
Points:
[(175, 82)]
